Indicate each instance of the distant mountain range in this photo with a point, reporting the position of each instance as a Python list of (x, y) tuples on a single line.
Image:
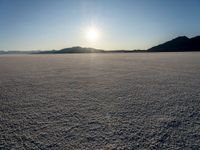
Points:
[(76, 49), (79, 49), (179, 44)]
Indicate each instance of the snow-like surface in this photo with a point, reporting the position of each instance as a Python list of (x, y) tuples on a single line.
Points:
[(100, 101)]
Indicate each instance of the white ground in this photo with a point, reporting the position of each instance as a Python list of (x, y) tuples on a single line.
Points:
[(100, 101)]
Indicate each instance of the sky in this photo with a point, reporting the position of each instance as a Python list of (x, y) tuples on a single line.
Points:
[(118, 24)]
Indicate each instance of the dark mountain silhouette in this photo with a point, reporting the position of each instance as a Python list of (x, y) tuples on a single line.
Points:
[(76, 49), (181, 43), (79, 49)]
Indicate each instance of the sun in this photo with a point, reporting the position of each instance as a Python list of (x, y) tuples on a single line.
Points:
[(92, 34)]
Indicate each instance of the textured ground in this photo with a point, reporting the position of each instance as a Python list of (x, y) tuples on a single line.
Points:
[(100, 101)]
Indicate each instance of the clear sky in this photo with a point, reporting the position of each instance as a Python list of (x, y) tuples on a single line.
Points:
[(120, 24)]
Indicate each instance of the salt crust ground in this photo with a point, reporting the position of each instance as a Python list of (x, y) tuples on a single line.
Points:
[(100, 101)]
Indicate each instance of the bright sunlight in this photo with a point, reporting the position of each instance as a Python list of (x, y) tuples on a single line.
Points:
[(92, 34)]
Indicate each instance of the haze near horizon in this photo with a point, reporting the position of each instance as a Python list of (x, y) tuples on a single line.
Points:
[(103, 24)]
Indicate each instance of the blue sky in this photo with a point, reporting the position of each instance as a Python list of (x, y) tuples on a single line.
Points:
[(122, 24)]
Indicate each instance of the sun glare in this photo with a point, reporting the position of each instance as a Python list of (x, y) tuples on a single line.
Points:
[(92, 34)]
